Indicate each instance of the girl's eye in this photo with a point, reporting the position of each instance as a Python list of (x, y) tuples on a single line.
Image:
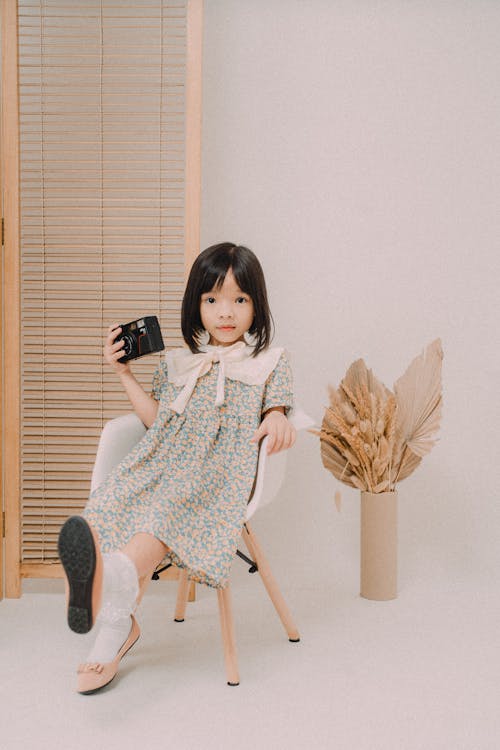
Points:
[(210, 300), (241, 300)]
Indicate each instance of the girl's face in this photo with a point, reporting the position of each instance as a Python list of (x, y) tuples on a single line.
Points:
[(226, 313)]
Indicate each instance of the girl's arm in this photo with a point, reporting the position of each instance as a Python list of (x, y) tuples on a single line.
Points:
[(145, 406), (281, 433)]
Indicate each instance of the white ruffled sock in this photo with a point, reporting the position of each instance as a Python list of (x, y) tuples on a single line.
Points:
[(119, 599)]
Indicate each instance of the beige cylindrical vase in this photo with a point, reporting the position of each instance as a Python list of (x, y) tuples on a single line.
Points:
[(379, 545)]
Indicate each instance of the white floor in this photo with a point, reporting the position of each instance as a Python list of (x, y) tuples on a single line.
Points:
[(420, 672)]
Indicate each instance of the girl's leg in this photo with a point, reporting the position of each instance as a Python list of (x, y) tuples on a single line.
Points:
[(114, 581), (126, 575), (146, 552)]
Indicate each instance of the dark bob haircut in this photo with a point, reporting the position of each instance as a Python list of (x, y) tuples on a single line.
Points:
[(208, 272)]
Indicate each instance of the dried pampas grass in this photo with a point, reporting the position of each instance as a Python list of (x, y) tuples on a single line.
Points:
[(372, 438)]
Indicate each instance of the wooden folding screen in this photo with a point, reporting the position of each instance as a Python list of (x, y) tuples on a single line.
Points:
[(109, 135)]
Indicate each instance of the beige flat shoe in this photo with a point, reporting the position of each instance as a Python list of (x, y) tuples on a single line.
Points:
[(93, 677)]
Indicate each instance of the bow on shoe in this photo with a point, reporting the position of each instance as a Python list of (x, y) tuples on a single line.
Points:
[(84, 668)]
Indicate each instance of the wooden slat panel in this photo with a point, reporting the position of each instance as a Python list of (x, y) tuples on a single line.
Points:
[(103, 215)]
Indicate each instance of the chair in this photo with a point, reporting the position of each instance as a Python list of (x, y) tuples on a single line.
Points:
[(121, 434)]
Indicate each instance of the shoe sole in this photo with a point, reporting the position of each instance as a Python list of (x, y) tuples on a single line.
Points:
[(78, 556)]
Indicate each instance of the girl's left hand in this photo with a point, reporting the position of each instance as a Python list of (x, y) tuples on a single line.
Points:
[(281, 433)]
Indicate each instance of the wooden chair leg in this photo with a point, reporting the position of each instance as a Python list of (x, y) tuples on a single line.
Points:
[(182, 596), (228, 640), (269, 582)]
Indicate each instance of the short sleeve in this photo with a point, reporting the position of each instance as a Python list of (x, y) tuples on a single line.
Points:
[(160, 380), (279, 386)]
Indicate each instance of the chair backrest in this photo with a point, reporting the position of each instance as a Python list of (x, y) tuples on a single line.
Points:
[(268, 480), (271, 470), (121, 434), (118, 437)]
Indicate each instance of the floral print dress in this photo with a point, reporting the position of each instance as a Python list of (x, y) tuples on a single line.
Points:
[(189, 479)]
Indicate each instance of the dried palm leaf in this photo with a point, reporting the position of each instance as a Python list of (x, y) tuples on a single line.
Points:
[(336, 463), (408, 465), (360, 380), (418, 396)]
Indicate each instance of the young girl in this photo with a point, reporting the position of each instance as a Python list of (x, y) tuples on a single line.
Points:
[(180, 495)]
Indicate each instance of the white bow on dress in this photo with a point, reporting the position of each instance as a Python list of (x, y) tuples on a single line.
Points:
[(236, 363)]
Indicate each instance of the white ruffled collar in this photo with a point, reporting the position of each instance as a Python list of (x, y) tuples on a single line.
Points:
[(235, 363)]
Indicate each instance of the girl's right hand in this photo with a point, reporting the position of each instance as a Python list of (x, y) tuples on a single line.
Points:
[(113, 351)]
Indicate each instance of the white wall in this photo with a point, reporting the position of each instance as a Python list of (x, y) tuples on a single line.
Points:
[(354, 146)]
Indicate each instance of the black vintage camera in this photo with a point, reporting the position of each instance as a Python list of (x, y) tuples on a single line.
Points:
[(141, 337)]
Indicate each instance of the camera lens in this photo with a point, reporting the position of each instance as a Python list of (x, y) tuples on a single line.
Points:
[(128, 344)]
